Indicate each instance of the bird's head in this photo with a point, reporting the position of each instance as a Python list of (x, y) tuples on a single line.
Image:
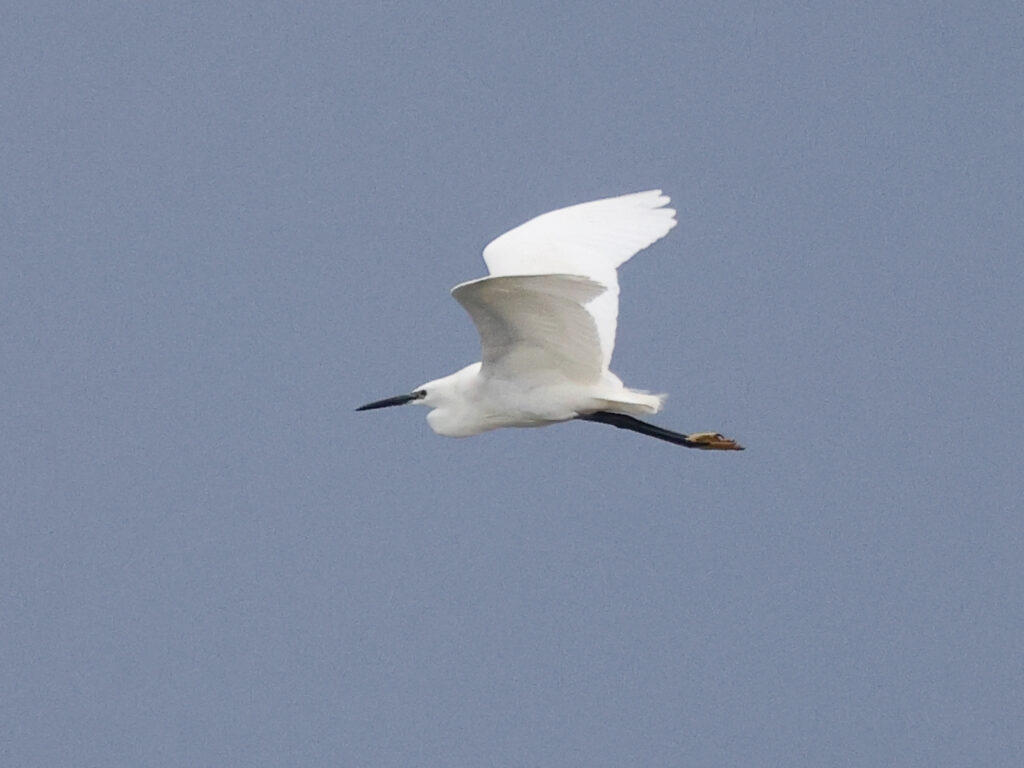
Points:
[(451, 389), (451, 399), (454, 388)]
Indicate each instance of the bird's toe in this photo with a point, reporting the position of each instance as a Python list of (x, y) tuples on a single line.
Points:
[(713, 441)]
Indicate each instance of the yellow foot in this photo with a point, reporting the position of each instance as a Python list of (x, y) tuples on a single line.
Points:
[(712, 441)]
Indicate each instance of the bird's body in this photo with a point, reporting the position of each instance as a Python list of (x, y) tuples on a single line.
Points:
[(547, 316)]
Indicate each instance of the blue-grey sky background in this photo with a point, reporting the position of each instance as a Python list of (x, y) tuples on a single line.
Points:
[(226, 225)]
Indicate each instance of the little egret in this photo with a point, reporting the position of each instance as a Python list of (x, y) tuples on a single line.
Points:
[(546, 318)]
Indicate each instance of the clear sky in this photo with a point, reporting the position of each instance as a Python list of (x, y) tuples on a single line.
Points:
[(225, 225)]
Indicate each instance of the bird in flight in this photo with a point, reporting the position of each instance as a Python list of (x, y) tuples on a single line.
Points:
[(546, 316)]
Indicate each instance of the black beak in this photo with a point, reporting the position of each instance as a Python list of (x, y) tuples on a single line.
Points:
[(387, 402)]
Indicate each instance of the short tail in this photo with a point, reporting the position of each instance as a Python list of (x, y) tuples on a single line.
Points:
[(634, 402)]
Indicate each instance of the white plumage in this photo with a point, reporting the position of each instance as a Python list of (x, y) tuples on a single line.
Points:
[(590, 239), (547, 316)]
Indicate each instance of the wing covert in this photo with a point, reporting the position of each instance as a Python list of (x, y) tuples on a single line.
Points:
[(535, 326)]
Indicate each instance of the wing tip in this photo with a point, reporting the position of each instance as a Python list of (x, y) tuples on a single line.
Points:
[(655, 200)]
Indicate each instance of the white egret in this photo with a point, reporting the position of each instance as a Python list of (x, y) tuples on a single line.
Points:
[(546, 318)]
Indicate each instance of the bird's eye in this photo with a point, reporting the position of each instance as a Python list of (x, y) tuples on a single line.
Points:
[(419, 394)]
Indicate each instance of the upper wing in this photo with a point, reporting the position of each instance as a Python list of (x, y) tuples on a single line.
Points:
[(535, 327), (589, 239)]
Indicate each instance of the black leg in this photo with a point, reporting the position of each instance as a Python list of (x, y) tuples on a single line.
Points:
[(622, 421)]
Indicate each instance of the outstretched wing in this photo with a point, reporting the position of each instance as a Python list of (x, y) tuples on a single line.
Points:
[(590, 240), (535, 328)]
